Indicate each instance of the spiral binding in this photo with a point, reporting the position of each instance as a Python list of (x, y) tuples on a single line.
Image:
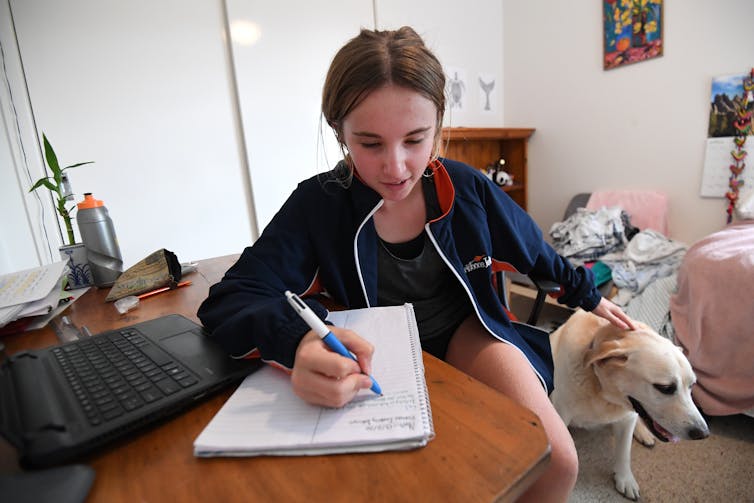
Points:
[(421, 382)]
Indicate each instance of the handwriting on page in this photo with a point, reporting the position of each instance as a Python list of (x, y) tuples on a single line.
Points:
[(379, 421), (385, 423), (391, 412)]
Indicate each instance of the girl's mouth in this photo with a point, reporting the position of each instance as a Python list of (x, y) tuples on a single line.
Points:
[(395, 186)]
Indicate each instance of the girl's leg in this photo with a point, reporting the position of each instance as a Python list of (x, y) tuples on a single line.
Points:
[(503, 367)]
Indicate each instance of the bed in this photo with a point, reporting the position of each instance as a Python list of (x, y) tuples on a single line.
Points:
[(713, 316)]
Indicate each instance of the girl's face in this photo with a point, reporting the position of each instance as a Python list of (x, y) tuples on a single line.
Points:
[(390, 136)]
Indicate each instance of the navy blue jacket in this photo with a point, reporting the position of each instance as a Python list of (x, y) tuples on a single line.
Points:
[(324, 239)]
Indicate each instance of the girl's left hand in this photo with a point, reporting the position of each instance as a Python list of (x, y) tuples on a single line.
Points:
[(614, 314)]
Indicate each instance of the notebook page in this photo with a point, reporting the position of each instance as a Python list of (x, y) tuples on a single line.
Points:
[(397, 414), (264, 416)]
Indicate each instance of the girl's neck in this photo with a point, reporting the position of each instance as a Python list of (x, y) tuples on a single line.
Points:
[(401, 221)]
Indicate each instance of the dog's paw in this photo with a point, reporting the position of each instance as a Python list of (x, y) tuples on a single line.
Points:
[(627, 486), (643, 435)]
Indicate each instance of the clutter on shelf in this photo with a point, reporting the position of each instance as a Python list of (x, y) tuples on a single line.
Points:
[(498, 174)]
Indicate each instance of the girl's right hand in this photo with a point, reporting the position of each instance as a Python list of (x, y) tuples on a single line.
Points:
[(614, 314), (323, 377)]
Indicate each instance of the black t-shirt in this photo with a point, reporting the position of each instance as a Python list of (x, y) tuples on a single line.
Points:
[(414, 272)]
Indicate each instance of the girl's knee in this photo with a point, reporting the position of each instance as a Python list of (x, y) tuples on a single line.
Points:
[(564, 460), (559, 479)]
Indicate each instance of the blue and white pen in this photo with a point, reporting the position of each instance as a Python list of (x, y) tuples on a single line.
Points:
[(325, 333)]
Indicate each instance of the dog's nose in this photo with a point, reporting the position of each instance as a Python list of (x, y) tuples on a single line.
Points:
[(698, 433)]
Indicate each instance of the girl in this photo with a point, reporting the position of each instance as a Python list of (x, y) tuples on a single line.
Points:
[(393, 223)]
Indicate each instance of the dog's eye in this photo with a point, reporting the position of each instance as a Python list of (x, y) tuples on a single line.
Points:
[(665, 389)]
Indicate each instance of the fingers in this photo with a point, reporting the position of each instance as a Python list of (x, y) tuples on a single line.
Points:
[(361, 349), (622, 320), (323, 377), (614, 314), (625, 319), (323, 390), (618, 322)]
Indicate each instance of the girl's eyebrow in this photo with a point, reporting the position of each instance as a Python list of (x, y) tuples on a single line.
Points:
[(367, 134)]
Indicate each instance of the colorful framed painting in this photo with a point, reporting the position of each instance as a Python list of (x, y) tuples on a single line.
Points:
[(633, 31)]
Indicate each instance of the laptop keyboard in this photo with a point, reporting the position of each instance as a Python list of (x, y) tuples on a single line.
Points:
[(119, 372)]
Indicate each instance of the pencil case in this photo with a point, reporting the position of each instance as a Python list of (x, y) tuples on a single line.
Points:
[(159, 269)]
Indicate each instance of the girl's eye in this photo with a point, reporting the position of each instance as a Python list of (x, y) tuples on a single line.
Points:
[(415, 142), (370, 145)]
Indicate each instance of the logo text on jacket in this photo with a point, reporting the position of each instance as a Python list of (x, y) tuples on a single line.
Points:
[(478, 262)]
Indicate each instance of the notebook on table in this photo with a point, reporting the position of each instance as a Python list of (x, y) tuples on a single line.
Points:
[(59, 403), (265, 417)]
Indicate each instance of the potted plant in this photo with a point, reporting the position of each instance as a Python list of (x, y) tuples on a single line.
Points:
[(75, 253)]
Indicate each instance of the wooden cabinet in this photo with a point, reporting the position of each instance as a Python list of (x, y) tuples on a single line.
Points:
[(480, 147)]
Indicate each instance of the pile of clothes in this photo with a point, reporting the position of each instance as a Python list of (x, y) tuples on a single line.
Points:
[(589, 234), (643, 264)]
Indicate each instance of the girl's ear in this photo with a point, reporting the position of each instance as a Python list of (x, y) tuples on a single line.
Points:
[(436, 148)]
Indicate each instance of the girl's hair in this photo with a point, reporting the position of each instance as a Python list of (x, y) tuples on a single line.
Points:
[(374, 59)]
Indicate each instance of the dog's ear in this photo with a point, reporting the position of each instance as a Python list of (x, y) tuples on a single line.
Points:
[(611, 351)]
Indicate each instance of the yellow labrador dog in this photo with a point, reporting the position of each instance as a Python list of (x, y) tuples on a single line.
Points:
[(604, 375)]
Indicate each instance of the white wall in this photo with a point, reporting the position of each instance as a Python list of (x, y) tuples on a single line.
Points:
[(639, 126), (143, 89), (280, 78), (468, 42)]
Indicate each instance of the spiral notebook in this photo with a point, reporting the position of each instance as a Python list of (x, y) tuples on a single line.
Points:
[(265, 417)]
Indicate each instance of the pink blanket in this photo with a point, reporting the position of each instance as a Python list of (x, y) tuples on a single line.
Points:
[(648, 209), (713, 316)]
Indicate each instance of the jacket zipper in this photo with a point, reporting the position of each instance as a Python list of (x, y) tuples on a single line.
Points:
[(356, 250)]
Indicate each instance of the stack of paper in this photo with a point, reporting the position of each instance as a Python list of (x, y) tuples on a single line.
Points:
[(32, 292)]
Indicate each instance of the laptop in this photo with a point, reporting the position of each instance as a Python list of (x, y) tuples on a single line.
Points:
[(60, 403)]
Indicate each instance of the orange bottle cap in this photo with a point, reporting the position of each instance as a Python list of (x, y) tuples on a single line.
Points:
[(89, 202)]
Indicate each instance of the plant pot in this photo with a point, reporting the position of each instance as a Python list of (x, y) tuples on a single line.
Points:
[(79, 272)]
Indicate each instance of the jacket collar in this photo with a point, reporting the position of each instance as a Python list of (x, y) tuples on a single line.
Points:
[(365, 199), (444, 186)]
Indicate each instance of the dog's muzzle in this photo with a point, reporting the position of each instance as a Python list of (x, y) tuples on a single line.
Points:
[(661, 433)]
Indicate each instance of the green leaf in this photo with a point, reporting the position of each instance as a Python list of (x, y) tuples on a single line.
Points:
[(46, 182), (76, 165), (52, 159)]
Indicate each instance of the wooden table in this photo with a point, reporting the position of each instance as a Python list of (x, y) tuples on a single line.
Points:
[(486, 447)]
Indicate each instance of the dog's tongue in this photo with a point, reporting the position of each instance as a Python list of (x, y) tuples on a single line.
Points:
[(665, 433)]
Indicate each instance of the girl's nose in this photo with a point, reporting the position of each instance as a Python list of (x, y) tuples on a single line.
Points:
[(394, 161)]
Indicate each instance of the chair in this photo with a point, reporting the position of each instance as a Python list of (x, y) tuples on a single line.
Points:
[(503, 273)]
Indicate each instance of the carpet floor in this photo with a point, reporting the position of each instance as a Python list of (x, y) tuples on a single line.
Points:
[(719, 468)]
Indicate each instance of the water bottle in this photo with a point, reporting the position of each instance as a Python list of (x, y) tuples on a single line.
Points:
[(98, 235)]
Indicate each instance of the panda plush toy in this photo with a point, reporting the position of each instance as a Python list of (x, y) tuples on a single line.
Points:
[(497, 174)]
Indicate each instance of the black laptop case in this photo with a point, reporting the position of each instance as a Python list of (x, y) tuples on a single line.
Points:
[(59, 403)]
